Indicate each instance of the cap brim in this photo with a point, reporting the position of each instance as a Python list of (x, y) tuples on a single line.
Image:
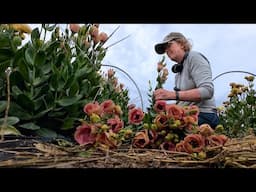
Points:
[(160, 47)]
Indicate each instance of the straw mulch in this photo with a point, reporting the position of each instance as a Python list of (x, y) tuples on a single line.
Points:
[(33, 153)]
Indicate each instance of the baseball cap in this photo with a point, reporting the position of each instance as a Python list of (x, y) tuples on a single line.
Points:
[(160, 47)]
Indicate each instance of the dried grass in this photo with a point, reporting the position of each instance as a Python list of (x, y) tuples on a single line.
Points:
[(237, 153)]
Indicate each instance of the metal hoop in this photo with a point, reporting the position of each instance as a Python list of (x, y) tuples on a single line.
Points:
[(233, 72), (130, 79)]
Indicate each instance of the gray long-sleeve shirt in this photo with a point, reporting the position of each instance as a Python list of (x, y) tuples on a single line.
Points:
[(197, 73)]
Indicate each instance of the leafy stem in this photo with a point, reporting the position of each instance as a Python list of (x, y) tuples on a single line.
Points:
[(4, 125)]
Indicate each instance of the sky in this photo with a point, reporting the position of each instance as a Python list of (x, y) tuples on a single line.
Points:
[(228, 47)]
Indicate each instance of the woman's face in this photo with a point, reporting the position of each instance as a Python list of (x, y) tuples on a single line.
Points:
[(175, 51)]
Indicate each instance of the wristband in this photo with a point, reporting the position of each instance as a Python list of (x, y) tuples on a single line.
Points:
[(177, 95)]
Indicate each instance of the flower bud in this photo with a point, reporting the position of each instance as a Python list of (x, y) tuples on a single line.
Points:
[(95, 118)]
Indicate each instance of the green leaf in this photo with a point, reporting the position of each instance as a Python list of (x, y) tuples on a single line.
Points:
[(50, 47), (18, 57), (69, 100), (54, 82), (85, 154), (4, 40), (56, 113), (29, 56), (16, 110), (2, 106), (46, 68), (40, 59), (85, 87), (61, 84), (74, 88), (6, 54), (9, 130), (35, 35), (68, 123), (44, 132), (40, 92), (42, 113), (251, 100), (16, 91), (83, 72), (3, 66), (25, 102), (50, 28), (10, 120), (70, 80), (23, 70), (30, 126), (40, 80), (16, 79)]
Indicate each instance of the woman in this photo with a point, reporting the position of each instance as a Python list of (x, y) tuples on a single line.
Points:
[(193, 79)]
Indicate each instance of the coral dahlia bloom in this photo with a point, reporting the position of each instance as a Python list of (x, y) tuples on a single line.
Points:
[(116, 124), (91, 108), (159, 106), (131, 106), (205, 130), (74, 28), (216, 140), (180, 147), (193, 143), (168, 146), (108, 107), (161, 121), (108, 139), (192, 110), (141, 139), (84, 134), (135, 116), (174, 111), (103, 37)]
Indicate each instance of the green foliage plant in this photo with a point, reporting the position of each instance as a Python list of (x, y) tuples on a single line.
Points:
[(238, 114), (52, 78)]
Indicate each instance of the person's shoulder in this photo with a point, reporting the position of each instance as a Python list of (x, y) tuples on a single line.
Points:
[(197, 55), (194, 53)]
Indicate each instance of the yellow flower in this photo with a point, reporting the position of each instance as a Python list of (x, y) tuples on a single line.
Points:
[(221, 108), (249, 78), (219, 129), (145, 126), (202, 155), (105, 127), (23, 28)]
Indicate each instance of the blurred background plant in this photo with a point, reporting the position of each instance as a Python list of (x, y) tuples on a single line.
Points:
[(238, 114), (162, 76), (52, 78)]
